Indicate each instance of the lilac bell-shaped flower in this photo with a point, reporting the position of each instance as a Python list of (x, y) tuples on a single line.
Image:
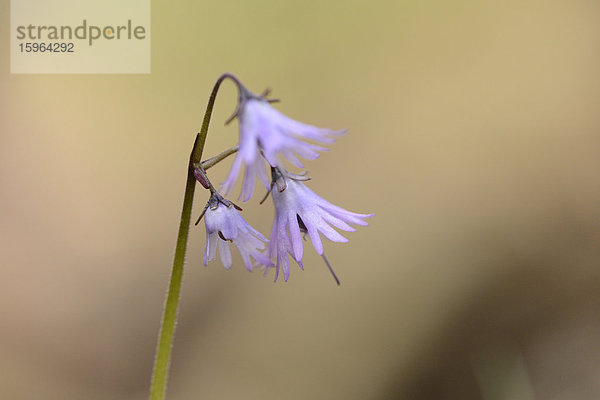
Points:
[(298, 210), (265, 130), (224, 224)]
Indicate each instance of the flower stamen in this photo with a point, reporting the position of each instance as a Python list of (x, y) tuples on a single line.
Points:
[(223, 237)]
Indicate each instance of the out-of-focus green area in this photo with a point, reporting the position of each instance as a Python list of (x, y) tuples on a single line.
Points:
[(473, 135)]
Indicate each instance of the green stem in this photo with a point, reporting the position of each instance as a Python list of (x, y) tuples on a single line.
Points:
[(197, 152), (167, 329), (211, 162), (163, 352)]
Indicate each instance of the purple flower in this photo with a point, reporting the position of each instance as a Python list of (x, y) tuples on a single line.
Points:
[(225, 224), (263, 128), (299, 210), (280, 247)]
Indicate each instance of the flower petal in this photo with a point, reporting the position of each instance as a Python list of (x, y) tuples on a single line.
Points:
[(227, 221), (225, 253), (211, 248), (295, 236)]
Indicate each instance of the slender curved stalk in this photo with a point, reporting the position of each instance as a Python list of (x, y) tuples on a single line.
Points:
[(199, 146), (167, 329), (211, 162)]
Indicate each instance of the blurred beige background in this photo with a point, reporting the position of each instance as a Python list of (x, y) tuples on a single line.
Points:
[(473, 135)]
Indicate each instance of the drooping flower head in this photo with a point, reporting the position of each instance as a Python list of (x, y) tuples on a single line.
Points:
[(224, 224), (298, 210), (264, 130)]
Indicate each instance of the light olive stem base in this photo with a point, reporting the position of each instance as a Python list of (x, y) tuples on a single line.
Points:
[(167, 329)]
